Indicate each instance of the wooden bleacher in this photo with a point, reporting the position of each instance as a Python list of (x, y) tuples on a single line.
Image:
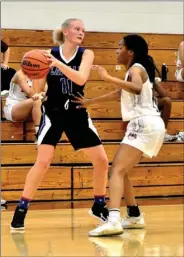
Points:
[(70, 176)]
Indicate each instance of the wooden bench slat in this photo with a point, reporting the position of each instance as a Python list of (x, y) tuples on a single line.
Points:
[(40, 195), (103, 111), (65, 194), (163, 191), (111, 110), (64, 154), (107, 129), (113, 70), (175, 90), (140, 176), (20, 37), (12, 131), (102, 56), (56, 177), (60, 177)]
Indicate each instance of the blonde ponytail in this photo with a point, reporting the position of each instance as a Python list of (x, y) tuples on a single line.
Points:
[(58, 36)]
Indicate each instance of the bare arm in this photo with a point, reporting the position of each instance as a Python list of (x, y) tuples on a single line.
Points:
[(40, 85), (160, 91), (79, 77), (20, 79), (134, 87), (115, 95), (86, 102), (6, 56)]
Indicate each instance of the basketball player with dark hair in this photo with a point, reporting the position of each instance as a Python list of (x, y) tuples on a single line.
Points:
[(70, 69), (145, 130)]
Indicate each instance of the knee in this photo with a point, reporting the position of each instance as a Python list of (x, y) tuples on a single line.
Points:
[(37, 103), (167, 100), (118, 170), (43, 163), (102, 163)]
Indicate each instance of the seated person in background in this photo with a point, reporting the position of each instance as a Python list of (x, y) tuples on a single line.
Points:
[(180, 63), (5, 50), (24, 98), (164, 106), (6, 72)]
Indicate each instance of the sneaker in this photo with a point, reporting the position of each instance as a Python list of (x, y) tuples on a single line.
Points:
[(99, 211), (4, 93), (180, 136), (170, 138), (108, 229), (3, 208), (3, 202), (133, 222), (18, 219)]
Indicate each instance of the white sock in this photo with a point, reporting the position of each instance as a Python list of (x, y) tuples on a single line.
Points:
[(114, 215), (36, 129)]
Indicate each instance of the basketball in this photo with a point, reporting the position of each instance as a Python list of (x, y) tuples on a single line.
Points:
[(35, 65)]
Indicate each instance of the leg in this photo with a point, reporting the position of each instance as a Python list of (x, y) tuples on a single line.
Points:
[(20, 111), (165, 105), (33, 180), (126, 157), (37, 172), (99, 160), (129, 195)]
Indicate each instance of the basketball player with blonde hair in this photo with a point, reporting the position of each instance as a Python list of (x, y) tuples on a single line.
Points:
[(70, 68)]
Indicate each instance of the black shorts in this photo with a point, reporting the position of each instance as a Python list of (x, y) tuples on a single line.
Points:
[(77, 126)]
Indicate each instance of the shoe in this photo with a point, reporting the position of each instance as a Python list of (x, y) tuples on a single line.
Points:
[(133, 222), (4, 93), (170, 138), (108, 229), (18, 219), (3, 202), (99, 211), (108, 246), (180, 136), (3, 208)]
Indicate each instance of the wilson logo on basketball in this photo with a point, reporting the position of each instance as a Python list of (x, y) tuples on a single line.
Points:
[(29, 64)]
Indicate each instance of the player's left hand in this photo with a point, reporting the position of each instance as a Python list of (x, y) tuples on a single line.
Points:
[(101, 71), (83, 102)]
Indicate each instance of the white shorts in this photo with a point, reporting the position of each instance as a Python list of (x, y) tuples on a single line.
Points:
[(8, 109), (178, 76), (145, 133)]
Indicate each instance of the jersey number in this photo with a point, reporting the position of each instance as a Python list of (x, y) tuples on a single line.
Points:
[(67, 87)]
